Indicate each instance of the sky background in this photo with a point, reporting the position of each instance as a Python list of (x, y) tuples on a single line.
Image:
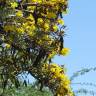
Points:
[(81, 39)]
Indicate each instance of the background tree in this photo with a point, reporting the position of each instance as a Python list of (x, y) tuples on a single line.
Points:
[(84, 87)]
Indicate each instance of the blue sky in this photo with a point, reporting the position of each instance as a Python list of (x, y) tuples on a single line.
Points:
[(81, 35), (81, 39)]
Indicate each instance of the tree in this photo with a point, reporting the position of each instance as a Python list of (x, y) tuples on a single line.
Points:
[(81, 89), (31, 34)]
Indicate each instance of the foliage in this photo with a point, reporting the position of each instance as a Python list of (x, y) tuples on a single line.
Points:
[(26, 91), (82, 90), (82, 72), (86, 92), (31, 34)]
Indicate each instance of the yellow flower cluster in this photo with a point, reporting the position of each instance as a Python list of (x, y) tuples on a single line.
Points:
[(14, 4), (8, 28), (50, 10), (48, 1), (65, 51), (19, 13), (57, 78), (47, 19)]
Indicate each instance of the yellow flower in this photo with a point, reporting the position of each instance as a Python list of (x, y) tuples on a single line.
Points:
[(51, 55), (53, 0), (19, 13), (24, 25), (45, 37), (66, 82), (7, 45), (30, 30), (40, 21), (65, 51), (39, 1), (14, 5), (20, 30), (32, 27), (31, 8), (61, 76), (30, 33), (54, 65), (60, 21), (52, 69), (55, 28), (30, 17), (51, 15), (39, 42), (35, 1), (46, 26)]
